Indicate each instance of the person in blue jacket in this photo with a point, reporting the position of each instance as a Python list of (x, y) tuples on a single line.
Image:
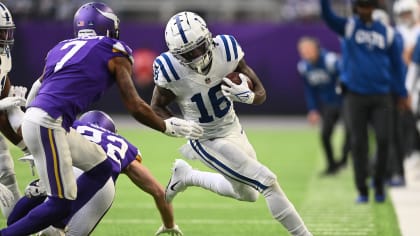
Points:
[(320, 70), (372, 69)]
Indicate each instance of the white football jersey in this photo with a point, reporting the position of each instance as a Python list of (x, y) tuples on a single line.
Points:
[(198, 96)]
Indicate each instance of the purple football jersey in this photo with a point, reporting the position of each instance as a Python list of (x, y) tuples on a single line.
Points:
[(119, 151), (76, 75)]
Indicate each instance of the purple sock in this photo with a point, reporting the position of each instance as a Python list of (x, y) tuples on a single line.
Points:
[(44, 215)]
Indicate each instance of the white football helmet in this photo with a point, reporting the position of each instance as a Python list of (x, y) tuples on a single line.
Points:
[(7, 27), (190, 41), (406, 12)]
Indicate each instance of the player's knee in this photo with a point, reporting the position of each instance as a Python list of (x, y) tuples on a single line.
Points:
[(268, 177)]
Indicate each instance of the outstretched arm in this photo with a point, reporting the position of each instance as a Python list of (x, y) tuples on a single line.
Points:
[(336, 23), (160, 101), (139, 109), (142, 177)]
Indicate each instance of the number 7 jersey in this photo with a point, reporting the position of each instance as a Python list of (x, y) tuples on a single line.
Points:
[(76, 75), (199, 96)]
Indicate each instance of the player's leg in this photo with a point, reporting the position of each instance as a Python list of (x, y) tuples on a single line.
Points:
[(241, 176), (23, 207), (329, 119), (356, 112), (92, 206), (346, 146), (283, 210), (7, 175), (381, 119), (48, 145)]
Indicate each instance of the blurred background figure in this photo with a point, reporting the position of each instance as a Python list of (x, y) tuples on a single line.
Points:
[(413, 75), (373, 69), (406, 14), (320, 70), (395, 176)]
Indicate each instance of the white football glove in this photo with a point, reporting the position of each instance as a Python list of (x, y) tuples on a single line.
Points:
[(11, 102), (17, 91), (6, 196), (175, 231), (35, 189), (177, 127), (238, 92)]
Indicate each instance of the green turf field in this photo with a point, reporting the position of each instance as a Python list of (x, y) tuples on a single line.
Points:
[(325, 203)]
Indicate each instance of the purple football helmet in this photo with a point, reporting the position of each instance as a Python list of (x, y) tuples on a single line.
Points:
[(96, 19), (98, 118)]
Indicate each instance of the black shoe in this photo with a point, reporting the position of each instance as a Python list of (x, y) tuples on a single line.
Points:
[(331, 170), (342, 163)]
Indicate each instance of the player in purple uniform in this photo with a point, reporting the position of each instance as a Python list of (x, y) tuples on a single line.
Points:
[(77, 72), (92, 204)]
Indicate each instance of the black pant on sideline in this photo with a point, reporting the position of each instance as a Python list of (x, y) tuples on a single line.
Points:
[(330, 116), (361, 110)]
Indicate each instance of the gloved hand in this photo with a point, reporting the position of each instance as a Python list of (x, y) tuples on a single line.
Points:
[(177, 127), (6, 196), (175, 231), (35, 189), (11, 102), (238, 92), (17, 91)]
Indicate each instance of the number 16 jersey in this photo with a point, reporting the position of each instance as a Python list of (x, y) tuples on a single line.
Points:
[(76, 75), (199, 96)]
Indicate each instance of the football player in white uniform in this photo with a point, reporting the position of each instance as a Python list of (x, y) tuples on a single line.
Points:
[(191, 74), (11, 98)]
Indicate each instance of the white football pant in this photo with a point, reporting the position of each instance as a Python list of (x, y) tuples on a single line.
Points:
[(241, 176), (7, 175)]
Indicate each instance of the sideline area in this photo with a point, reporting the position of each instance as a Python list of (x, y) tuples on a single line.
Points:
[(406, 201)]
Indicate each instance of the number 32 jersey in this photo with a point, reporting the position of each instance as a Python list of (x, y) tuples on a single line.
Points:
[(198, 96), (76, 75)]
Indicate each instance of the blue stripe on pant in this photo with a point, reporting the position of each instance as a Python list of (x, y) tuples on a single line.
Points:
[(222, 168)]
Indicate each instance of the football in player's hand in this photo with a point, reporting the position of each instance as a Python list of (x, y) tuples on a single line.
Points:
[(234, 77)]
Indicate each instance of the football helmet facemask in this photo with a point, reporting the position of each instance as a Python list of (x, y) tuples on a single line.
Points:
[(98, 118), (7, 27), (190, 41), (96, 19)]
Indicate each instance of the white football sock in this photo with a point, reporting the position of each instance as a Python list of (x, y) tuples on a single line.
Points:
[(284, 211), (211, 181)]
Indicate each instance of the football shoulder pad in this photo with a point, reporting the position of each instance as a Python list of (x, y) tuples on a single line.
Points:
[(123, 48), (166, 69), (230, 47)]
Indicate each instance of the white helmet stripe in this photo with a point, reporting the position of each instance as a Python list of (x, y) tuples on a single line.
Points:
[(110, 16)]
